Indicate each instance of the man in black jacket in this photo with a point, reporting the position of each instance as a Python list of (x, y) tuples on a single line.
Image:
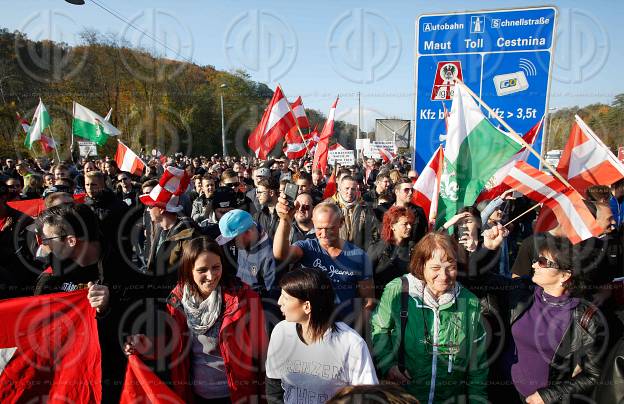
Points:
[(267, 217)]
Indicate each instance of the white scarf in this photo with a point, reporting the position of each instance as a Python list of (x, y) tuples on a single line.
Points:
[(201, 314), (417, 288)]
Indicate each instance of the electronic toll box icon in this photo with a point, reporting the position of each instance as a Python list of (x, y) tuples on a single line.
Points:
[(510, 83)]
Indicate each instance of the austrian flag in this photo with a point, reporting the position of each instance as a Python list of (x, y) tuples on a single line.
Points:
[(566, 203), (127, 160), (276, 122)]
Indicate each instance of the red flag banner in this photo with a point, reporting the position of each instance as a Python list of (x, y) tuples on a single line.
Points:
[(587, 161), (49, 350), (143, 386), (322, 148), (300, 114), (567, 204), (274, 125), (427, 186), (330, 188)]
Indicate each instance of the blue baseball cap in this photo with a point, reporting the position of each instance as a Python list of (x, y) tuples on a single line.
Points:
[(233, 224)]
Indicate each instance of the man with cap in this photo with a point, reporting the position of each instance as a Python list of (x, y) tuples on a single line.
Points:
[(171, 231), (256, 264)]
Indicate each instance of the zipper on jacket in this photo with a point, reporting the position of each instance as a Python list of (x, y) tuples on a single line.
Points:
[(434, 357)]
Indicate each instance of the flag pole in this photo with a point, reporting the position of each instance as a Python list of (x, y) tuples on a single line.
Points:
[(55, 144), (295, 118), (513, 133)]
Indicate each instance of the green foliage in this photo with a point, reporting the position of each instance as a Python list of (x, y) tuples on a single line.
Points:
[(607, 121)]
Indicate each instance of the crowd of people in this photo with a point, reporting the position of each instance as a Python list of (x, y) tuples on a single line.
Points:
[(239, 280)]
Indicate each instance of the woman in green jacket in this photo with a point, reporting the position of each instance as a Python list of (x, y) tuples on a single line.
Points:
[(444, 353)]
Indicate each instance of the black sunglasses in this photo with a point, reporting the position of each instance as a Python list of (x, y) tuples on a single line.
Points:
[(545, 262), (232, 184)]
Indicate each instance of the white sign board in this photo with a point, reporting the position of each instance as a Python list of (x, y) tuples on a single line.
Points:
[(373, 148), (343, 157), (87, 149)]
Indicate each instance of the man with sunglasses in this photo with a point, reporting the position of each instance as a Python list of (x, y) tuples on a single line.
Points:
[(302, 226), (403, 191), (266, 216)]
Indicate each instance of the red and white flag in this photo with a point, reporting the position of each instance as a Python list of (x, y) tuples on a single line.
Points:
[(566, 203), (276, 122), (127, 160), (337, 146), (141, 385), (312, 138), (587, 161), (295, 146), (386, 155), (46, 142), (49, 350), (495, 187), (300, 114), (427, 186), (322, 148)]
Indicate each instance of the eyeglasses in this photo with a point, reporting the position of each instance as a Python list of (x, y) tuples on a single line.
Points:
[(544, 262), (304, 208), (232, 184), (45, 241), (407, 190)]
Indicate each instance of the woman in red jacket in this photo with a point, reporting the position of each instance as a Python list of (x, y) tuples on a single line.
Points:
[(218, 354)]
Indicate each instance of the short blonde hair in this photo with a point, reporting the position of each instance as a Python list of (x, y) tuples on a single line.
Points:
[(328, 207)]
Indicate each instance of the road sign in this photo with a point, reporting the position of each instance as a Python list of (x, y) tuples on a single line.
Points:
[(504, 56)]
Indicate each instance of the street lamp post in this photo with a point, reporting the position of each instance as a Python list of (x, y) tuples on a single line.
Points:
[(222, 86)]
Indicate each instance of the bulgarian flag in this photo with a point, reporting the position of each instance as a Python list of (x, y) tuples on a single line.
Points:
[(89, 125), (475, 149), (40, 122)]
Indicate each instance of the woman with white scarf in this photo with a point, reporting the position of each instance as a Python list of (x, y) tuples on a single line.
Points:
[(443, 355), (219, 339)]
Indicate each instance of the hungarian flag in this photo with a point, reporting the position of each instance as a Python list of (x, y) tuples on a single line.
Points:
[(141, 385), (566, 203), (587, 161), (475, 150), (49, 350), (386, 155), (322, 148), (300, 114), (495, 186), (127, 160), (89, 125), (276, 122), (427, 186), (34, 133)]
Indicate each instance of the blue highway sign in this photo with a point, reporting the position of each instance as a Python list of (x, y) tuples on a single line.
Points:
[(504, 56)]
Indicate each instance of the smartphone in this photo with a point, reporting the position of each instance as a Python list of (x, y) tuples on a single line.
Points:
[(461, 230), (291, 191)]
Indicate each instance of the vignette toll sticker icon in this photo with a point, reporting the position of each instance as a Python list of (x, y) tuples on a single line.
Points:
[(510, 83), (444, 81)]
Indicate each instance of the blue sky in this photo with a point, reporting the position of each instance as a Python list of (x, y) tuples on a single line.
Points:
[(313, 48)]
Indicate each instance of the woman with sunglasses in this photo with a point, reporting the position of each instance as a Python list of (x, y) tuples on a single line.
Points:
[(391, 254), (438, 353), (555, 350), (311, 356)]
